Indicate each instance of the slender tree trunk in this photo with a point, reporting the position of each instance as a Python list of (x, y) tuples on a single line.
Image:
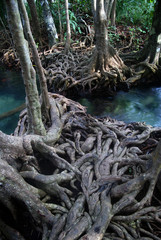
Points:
[(60, 23), (108, 5), (49, 22), (101, 35), (35, 20), (113, 13), (35, 124), (154, 42), (105, 60), (94, 9), (67, 45), (42, 79)]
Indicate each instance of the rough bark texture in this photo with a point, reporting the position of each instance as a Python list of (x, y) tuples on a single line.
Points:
[(113, 13), (108, 5), (43, 85), (32, 101), (60, 22), (67, 44), (105, 59), (49, 23), (35, 20)]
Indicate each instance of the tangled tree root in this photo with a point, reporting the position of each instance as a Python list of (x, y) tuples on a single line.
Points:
[(94, 180), (77, 73)]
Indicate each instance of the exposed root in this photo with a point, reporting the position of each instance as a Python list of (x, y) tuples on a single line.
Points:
[(143, 72), (94, 181), (83, 72)]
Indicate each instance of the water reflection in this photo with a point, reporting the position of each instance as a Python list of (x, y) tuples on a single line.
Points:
[(12, 95), (143, 105)]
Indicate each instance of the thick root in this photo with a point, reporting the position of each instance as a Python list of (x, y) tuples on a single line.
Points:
[(93, 182)]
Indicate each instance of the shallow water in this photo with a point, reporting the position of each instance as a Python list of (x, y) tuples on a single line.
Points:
[(137, 105), (12, 95)]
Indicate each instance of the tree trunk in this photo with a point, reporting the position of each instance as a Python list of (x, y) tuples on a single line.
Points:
[(108, 5), (104, 56), (146, 61), (113, 13), (35, 20), (67, 44), (49, 22), (60, 23), (40, 72), (102, 44), (35, 124), (151, 52)]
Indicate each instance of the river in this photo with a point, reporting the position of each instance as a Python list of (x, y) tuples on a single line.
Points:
[(137, 105), (12, 95)]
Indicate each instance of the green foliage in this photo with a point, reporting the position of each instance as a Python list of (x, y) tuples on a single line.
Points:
[(72, 16), (137, 12), (81, 6), (113, 35), (134, 33), (73, 22)]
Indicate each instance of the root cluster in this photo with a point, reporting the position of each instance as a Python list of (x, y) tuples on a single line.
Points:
[(75, 74), (94, 182)]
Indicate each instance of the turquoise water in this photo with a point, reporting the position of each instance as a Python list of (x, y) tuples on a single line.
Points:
[(137, 105), (12, 95)]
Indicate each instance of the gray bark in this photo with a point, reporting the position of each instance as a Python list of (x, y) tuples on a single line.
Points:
[(40, 72), (151, 52), (35, 124), (60, 23), (35, 20), (49, 22), (154, 42), (101, 33), (67, 45), (113, 13), (110, 9)]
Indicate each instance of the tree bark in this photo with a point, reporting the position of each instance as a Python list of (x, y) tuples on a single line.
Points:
[(113, 13), (60, 23), (151, 51), (49, 22), (105, 57), (67, 44), (35, 20), (40, 72), (102, 44), (35, 124), (154, 43)]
